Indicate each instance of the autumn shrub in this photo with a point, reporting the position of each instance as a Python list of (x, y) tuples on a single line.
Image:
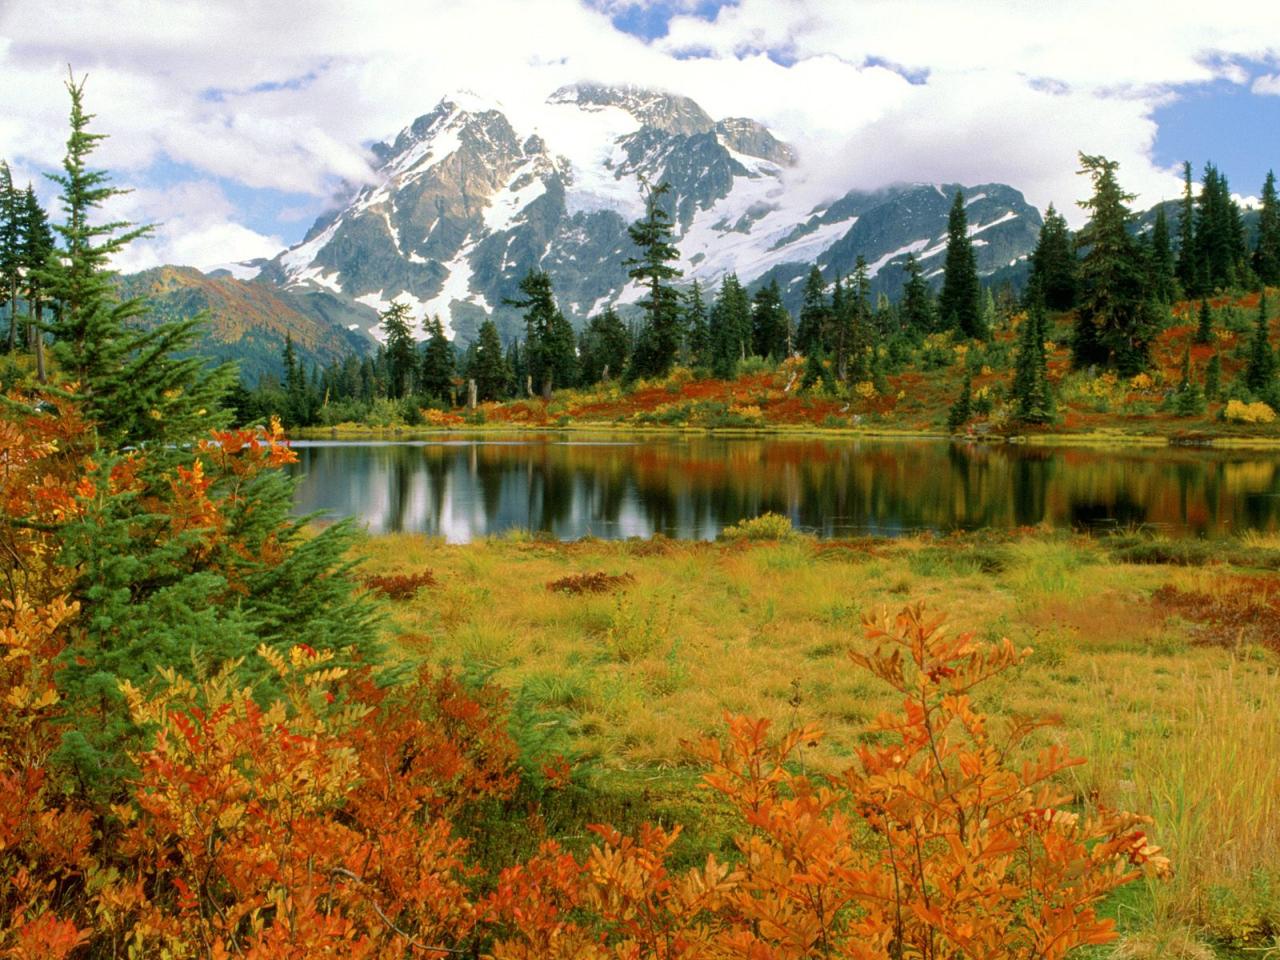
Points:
[(598, 582), (767, 526), (1236, 411), (399, 586), (936, 843), (1234, 611)]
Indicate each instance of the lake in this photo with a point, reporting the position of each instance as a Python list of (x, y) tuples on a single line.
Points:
[(692, 487)]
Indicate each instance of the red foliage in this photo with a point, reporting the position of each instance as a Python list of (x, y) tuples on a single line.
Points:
[(598, 582), (400, 586)]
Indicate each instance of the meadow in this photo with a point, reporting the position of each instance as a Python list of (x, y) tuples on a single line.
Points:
[(1158, 658)]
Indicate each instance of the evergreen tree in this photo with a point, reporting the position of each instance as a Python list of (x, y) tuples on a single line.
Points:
[(1260, 373), (1053, 262), (1188, 399), (562, 352), (696, 326), (37, 261), (1219, 238), (11, 246), (730, 327), (491, 371), (1116, 322), (653, 269), (297, 398), (1163, 280), (960, 301), (402, 351), (438, 364), (1188, 269), (134, 388), (817, 373), (1266, 255), (1030, 391), (541, 339), (1213, 378), (962, 410), (1204, 329), (605, 347), (815, 314), (770, 323), (917, 300), (858, 322)]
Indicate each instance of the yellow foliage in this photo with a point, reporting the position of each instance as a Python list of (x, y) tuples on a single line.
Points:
[(865, 389), (1258, 412)]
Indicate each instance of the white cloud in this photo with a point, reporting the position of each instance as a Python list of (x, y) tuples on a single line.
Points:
[(1012, 91), (1267, 83)]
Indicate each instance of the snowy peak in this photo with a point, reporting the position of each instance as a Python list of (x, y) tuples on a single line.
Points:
[(652, 108)]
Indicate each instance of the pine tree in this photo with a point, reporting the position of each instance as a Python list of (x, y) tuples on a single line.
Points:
[(1213, 378), (960, 301), (37, 260), (1163, 281), (435, 379), (1032, 397), (1204, 329), (134, 388), (1260, 373), (490, 371), (297, 398), (917, 300), (696, 325), (1116, 322), (730, 328), (11, 246), (857, 306), (653, 270), (604, 347), (1053, 262), (1188, 399), (549, 347), (1266, 255), (962, 410), (770, 323), (1188, 268), (815, 314), (402, 351), (562, 352), (1219, 239)]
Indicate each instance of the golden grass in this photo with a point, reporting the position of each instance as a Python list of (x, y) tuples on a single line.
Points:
[(1186, 732)]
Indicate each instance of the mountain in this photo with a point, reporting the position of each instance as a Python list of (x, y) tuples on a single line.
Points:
[(248, 322), (466, 199)]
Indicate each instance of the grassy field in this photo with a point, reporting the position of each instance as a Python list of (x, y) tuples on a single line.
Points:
[(1159, 659)]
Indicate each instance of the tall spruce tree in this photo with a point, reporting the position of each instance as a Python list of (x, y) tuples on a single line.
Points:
[(604, 347), (815, 315), (490, 371), (1164, 284), (439, 364), (1053, 262), (1030, 390), (960, 302), (696, 326), (11, 244), (37, 261), (770, 323), (402, 351), (1266, 254), (135, 388), (730, 327), (653, 270), (539, 306), (1260, 372), (1116, 321), (917, 300), (1219, 239), (1188, 266), (1204, 327), (858, 321)]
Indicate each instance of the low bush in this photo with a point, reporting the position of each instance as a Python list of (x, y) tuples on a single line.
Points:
[(767, 526)]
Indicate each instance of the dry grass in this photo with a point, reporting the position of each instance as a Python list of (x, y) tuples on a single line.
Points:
[(1185, 730)]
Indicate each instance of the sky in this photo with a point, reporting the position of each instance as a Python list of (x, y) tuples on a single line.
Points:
[(237, 122)]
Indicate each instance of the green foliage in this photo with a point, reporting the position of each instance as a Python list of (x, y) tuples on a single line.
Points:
[(960, 302), (1260, 373), (653, 269), (730, 327), (1204, 326), (402, 351), (490, 370), (1031, 393), (962, 410), (1053, 262), (1266, 255), (917, 309), (438, 364), (604, 347), (767, 526), (770, 323)]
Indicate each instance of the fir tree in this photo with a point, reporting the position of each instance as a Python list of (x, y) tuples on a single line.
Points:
[(1266, 255), (1219, 238), (815, 314), (1213, 378), (1260, 373), (1188, 268), (439, 364), (696, 326), (1188, 400), (490, 371), (541, 341), (1116, 322), (1053, 262), (402, 352), (962, 410), (960, 301), (11, 247), (917, 300), (297, 398), (562, 352), (1163, 280), (37, 259), (770, 323), (604, 347), (857, 324), (1032, 398), (653, 270), (134, 388), (817, 373), (1204, 328), (730, 327)]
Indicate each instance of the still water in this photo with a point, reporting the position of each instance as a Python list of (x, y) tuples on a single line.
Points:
[(693, 487)]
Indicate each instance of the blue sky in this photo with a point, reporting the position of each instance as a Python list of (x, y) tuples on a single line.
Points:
[(238, 122)]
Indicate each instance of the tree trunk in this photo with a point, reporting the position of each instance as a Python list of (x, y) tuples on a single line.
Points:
[(528, 385), (37, 338), (471, 394)]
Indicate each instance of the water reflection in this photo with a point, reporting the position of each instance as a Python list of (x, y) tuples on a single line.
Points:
[(693, 487)]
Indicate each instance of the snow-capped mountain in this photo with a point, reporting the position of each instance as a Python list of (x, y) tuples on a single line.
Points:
[(465, 201)]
